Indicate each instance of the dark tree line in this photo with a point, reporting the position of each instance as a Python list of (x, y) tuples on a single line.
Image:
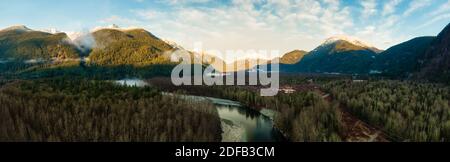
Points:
[(77, 69), (82, 110), (303, 116)]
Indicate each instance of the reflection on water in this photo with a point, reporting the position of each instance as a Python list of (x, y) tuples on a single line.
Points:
[(257, 127), (132, 82), (240, 124)]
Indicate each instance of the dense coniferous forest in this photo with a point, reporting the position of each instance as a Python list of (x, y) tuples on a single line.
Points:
[(86, 110), (307, 117), (77, 69), (407, 111), (302, 116)]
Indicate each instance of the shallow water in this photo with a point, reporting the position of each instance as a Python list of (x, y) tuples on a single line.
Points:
[(256, 127), (244, 123)]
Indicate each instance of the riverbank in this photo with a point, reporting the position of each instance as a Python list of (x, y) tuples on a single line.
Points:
[(240, 123), (231, 132)]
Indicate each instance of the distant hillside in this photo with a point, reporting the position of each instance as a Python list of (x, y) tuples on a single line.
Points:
[(402, 59), (223, 66), (336, 56), (128, 47), (239, 65), (21, 43), (293, 57), (435, 64)]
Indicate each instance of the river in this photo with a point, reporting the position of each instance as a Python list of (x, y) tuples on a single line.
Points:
[(239, 124)]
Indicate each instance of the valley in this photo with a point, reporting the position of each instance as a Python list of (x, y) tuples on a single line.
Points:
[(137, 49), (344, 90)]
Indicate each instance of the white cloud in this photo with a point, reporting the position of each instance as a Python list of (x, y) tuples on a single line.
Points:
[(120, 20), (178, 2), (390, 6), (282, 25), (148, 14), (369, 7), (275, 24), (333, 4), (434, 20), (416, 5), (442, 9)]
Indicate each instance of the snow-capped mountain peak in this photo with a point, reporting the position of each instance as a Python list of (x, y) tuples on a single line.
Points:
[(349, 39), (52, 31), (18, 27), (173, 44), (115, 27)]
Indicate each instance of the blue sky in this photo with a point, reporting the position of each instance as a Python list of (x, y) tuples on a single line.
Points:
[(282, 25)]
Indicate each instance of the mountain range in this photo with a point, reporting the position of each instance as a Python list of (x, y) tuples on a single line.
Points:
[(424, 58), (336, 55), (421, 58), (127, 47), (402, 59), (22, 43)]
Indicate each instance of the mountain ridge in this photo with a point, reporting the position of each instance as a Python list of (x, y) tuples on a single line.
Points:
[(402, 59), (424, 57), (128, 47), (20, 42), (435, 64), (293, 57), (336, 56)]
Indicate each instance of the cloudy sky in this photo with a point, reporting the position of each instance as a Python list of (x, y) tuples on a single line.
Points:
[(282, 25)]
